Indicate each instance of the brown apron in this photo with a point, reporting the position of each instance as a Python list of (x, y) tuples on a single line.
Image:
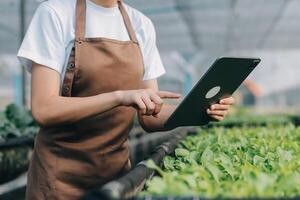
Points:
[(70, 159)]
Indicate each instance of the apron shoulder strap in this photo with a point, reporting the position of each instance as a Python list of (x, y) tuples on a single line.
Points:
[(127, 22), (80, 19)]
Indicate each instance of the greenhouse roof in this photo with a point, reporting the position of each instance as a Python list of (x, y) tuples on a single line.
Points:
[(191, 25)]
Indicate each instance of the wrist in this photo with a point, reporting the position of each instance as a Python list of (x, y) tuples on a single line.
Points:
[(118, 97)]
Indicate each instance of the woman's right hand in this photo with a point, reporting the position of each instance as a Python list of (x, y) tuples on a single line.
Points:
[(146, 101)]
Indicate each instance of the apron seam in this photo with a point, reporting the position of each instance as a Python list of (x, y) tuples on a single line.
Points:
[(142, 58), (55, 177)]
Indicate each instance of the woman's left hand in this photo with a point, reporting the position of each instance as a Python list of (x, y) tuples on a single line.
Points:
[(218, 111)]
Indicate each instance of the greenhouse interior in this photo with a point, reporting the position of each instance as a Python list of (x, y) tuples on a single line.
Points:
[(232, 134)]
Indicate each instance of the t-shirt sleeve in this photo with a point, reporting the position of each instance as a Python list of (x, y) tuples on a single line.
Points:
[(43, 42), (152, 61)]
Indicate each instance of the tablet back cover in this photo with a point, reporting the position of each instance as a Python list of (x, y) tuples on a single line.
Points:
[(220, 81)]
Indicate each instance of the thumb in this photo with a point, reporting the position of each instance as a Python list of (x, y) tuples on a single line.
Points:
[(168, 95)]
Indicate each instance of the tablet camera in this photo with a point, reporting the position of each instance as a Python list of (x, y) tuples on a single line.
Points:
[(212, 92)]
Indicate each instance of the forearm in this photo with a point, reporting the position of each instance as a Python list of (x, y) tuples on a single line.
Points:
[(155, 124), (49, 108), (57, 110)]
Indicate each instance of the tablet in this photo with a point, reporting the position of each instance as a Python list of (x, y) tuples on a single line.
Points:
[(220, 81)]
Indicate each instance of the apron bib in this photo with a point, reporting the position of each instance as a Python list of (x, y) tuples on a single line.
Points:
[(69, 160)]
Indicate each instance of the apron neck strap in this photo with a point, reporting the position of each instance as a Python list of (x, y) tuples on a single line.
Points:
[(81, 20), (127, 22)]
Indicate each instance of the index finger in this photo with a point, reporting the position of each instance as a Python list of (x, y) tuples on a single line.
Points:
[(228, 101), (168, 95)]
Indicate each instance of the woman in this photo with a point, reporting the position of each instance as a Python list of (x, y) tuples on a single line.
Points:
[(93, 63)]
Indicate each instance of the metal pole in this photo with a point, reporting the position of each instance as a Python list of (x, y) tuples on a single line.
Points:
[(273, 24), (22, 33)]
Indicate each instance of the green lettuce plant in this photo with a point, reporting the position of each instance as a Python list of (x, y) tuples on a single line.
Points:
[(232, 163)]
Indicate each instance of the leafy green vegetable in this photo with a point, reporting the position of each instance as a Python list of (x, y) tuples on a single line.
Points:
[(180, 152), (19, 116), (16, 121), (233, 163)]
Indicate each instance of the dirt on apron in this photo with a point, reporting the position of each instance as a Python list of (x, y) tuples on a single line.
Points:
[(69, 160)]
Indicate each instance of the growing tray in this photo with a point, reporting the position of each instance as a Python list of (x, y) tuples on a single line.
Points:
[(252, 122), (17, 142), (14, 157), (142, 147)]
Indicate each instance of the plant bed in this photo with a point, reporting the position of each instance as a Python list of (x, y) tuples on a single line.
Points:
[(254, 121), (17, 132), (18, 194), (248, 117), (13, 162), (149, 197), (261, 162)]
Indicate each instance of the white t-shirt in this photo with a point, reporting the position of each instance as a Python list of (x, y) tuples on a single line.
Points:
[(50, 36)]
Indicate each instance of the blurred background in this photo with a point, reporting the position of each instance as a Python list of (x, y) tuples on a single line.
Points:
[(191, 34)]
